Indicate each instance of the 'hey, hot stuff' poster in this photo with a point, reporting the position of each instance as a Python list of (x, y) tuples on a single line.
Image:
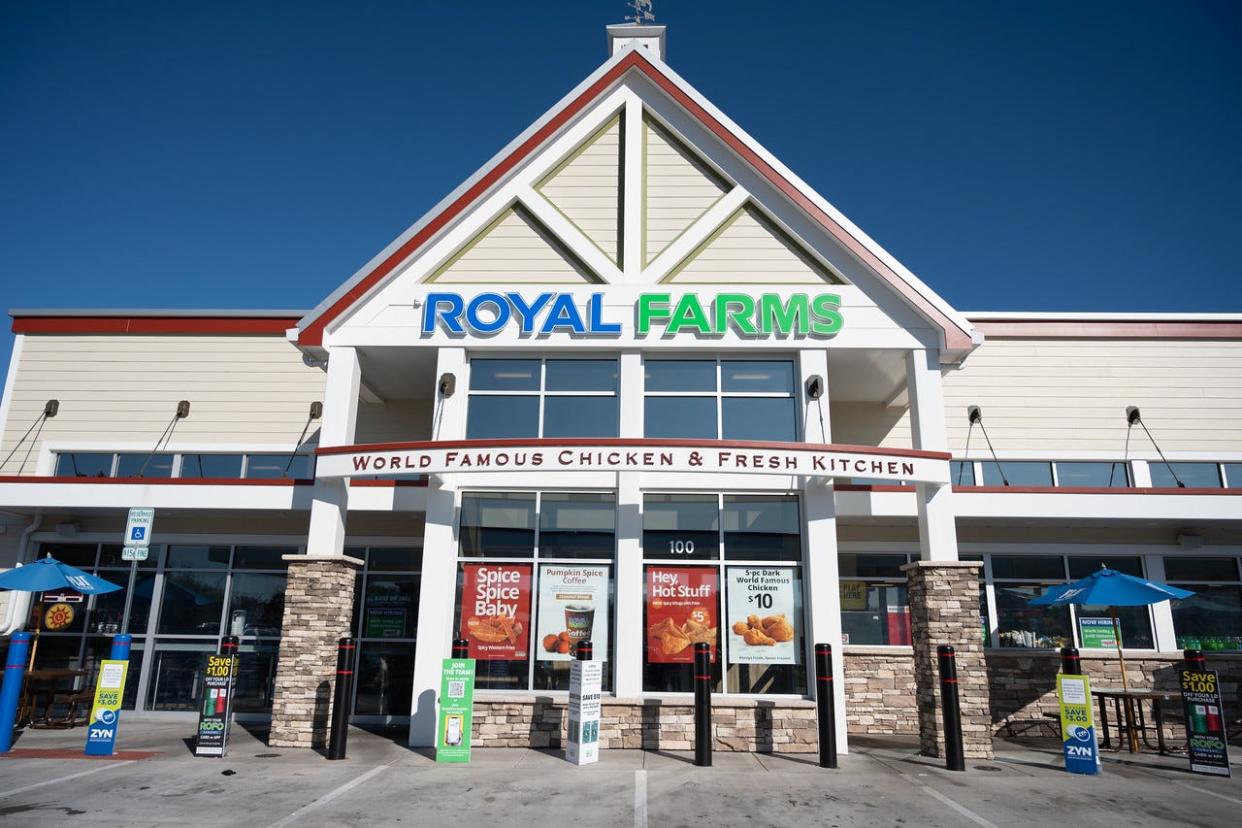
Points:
[(681, 612)]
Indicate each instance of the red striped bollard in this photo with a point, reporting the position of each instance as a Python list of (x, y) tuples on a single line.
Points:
[(952, 711), (340, 700)]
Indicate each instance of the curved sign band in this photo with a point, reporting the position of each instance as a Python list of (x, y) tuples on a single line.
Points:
[(621, 454)]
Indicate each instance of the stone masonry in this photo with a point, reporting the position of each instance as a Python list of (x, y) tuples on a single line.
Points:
[(880, 692), (944, 609), (746, 725), (319, 603)]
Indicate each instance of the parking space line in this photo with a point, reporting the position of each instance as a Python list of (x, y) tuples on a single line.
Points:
[(328, 797), (935, 794), (58, 779), (1211, 793), (640, 799)]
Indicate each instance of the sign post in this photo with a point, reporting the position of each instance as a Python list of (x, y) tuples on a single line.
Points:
[(215, 708), (585, 676), (1082, 755), (106, 711), (1206, 744), (456, 710)]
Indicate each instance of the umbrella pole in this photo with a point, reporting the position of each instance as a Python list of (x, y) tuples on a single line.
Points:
[(1125, 684), (34, 641)]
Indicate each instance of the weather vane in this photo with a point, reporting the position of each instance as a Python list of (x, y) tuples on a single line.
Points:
[(642, 12)]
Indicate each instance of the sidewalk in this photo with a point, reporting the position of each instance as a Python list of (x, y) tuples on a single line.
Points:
[(881, 782)]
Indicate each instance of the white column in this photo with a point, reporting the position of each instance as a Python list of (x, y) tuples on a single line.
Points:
[(628, 631), (937, 529), (1141, 472), (820, 572), (438, 589), (1162, 613), (330, 500), (633, 197)]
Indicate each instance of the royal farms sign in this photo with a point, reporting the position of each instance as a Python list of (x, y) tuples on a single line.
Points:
[(660, 314)]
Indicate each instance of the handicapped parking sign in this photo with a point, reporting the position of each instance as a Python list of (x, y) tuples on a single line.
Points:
[(138, 527)]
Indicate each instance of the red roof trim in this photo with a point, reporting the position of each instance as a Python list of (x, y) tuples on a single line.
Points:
[(1075, 490), (386, 484), (622, 442), (313, 333), (211, 325), (955, 337), (1109, 329), (168, 481)]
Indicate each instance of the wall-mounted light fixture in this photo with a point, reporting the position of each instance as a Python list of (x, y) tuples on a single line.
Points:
[(815, 386), (448, 384), (183, 409), (51, 408), (316, 410)]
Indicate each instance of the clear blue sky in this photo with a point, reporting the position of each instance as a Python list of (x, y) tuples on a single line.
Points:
[(1017, 156)]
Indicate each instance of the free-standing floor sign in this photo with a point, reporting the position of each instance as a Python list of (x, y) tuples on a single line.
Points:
[(215, 708), (584, 703), (1082, 754), (106, 710), (1205, 725), (456, 710)]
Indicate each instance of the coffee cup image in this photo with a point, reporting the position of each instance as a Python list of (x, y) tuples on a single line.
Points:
[(579, 621)]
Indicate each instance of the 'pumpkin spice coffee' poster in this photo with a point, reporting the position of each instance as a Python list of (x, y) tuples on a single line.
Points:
[(495, 610), (681, 612)]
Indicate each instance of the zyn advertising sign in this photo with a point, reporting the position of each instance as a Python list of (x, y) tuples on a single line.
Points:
[(1077, 730), (106, 711)]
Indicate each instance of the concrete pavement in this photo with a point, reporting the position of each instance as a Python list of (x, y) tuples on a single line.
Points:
[(882, 782)]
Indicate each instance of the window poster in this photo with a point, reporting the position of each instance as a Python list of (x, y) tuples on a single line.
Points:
[(681, 612), (495, 610), (762, 617), (573, 607)]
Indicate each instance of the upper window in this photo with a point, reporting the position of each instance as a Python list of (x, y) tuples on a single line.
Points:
[(1017, 473), (83, 464), (542, 398), (1193, 475), (720, 399), (1093, 475)]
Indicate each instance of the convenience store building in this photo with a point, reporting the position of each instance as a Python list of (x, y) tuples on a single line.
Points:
[(634, 377)]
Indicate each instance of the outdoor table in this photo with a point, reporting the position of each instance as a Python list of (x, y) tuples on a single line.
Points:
[(44, 682), (1128, 710)]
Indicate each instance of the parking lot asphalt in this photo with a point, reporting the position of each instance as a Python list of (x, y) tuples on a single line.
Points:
[(382, 782)]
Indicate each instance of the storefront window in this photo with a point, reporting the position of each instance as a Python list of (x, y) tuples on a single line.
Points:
[(681, 527), (750, 614), (1233, 475), (217, 466), (725, 399), (144, 465), (279, 466), (875, 609), (83, 464), (523, 620), (552, 398), (962, 473), (386, 623), (1211, 619), (193, 603)]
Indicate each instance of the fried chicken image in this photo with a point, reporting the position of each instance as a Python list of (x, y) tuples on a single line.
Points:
[(777, 628), (764, 632), (756, 636)]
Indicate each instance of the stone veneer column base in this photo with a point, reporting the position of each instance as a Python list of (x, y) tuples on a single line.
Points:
[(319, 604), (944, 609)]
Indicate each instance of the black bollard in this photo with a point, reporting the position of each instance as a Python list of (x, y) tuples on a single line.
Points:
[(953, 759), (826, 704), (1071, 661), (584, 650), (703, 705), (340, 700), (228, 645), (1194, 659), (461, 648)]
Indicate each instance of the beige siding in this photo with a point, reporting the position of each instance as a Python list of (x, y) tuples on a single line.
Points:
[(1064, 395), (748, 250), (513, 249), (394, 421), (587, 188), (870, 424), (680, 188), (242, 389)]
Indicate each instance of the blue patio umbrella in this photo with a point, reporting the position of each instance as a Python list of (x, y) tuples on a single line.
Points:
[(1113, 589), (47, 574)]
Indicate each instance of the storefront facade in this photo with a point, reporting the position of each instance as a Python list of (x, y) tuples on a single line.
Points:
[(632, 381)]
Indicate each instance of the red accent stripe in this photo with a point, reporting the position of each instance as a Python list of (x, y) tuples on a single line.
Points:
[(167, 481), (825, 678), (704, 678), (214, 325), (346, 647), (955, 337), (344, 672), (948, 681), (623, 442)]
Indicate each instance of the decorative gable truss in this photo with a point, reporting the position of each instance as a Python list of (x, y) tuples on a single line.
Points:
[(633, 189)]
